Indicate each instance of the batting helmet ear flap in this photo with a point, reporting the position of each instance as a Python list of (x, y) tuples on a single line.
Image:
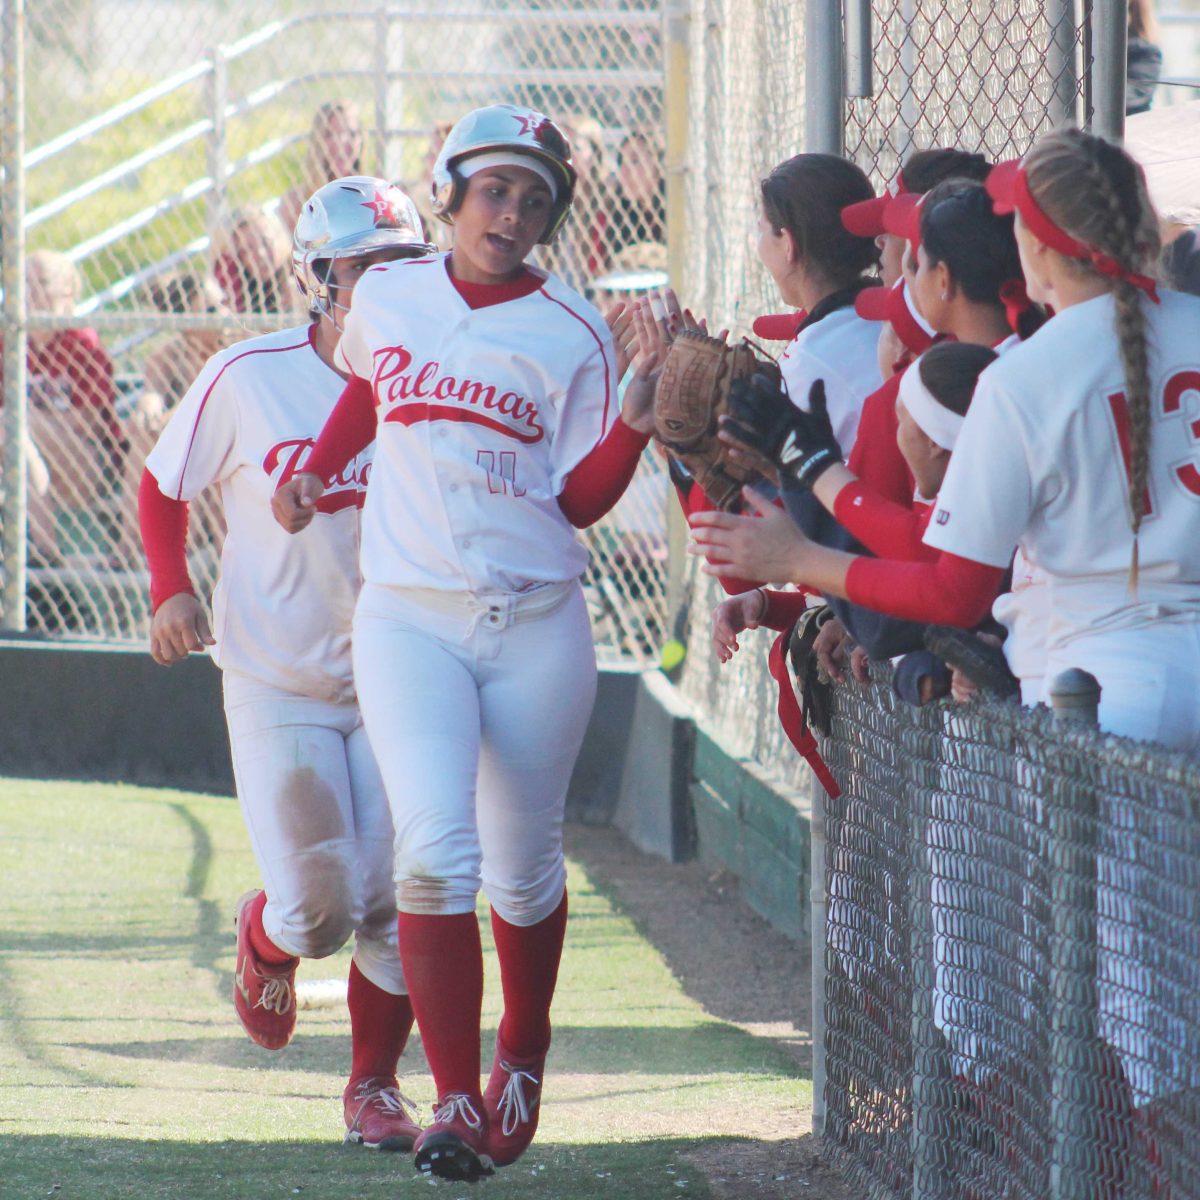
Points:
[(449, 196)]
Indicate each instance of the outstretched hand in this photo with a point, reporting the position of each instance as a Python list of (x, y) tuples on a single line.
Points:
[(765, 544), (295, 502), (732, 617), (619, 319)]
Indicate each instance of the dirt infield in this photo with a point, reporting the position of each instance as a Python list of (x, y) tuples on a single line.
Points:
[(730, 961)]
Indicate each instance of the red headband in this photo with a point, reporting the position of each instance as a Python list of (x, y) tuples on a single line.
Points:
[(1008, 186)]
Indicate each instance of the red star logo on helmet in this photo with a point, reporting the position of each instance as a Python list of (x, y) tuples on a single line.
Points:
[(384, 207), (530, 125)]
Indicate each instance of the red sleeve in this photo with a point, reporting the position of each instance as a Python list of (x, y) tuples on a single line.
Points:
[(783, 609), (599, 480), (948, 591), (886, 529), (163, 522), (875, 457), (696, 501), (349, 430)]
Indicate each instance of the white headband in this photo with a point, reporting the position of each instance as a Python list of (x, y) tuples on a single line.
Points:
[(933, 418), (504, 158)]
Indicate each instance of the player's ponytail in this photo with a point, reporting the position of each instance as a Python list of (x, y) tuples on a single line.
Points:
[(1095, 192)]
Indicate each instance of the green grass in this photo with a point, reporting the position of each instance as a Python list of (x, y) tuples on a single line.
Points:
[(124, 1073)]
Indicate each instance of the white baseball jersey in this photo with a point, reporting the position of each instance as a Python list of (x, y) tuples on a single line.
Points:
[(481, 416), (283, 607), (841, 350), (1041, 461)]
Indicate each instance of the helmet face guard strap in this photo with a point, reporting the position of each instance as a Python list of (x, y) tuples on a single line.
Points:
[(511, 130)]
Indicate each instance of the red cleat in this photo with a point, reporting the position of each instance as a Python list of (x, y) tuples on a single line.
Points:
[(378, 1116), (455, 1145), (264, 994), (513, 1103)]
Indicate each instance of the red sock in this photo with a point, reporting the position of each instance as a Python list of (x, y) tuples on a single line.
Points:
[(443, 967), (264, 948), (529, 957), (379, 1027)]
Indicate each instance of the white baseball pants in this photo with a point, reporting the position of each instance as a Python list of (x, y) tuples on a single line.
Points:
[(318, 819), (476, 707)]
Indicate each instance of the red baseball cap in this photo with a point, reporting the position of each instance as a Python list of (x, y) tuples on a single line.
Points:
[(866, 218), (903, 217), (779, 327), (895, 306)]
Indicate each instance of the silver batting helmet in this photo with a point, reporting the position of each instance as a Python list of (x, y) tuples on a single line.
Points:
[(343, 219), (508, 127)]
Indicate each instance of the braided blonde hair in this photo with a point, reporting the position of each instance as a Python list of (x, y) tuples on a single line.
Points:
[(1095, 192)]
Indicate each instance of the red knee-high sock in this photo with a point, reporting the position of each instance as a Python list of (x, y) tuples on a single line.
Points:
[(379, 1027), (529, 957), (266, 949), (443, 967)]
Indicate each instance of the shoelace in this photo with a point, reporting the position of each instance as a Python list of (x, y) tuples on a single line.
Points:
[(461, 1106), (390, 1099), (514, 1106), (276, 996)]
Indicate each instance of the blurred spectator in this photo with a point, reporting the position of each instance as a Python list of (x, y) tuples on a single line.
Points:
[(638, 211), (252, 263), (335, 145), (580, 252), (1144, 57), (77, 448), (436, 232), (171, 367)]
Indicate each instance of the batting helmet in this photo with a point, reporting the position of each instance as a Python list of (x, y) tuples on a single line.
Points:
[(511, 128), (343, 219)]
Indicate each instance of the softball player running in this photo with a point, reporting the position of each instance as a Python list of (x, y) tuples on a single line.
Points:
[(493, 389), (309, 788)]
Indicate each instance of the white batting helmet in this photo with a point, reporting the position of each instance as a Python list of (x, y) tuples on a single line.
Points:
[(346, 218), (504, 127)]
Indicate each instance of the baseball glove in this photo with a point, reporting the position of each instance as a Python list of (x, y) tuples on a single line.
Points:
[(980, 661), (691, 397)]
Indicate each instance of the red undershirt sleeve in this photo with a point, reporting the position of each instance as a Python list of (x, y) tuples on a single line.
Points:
[(888, 530), (599, 479), (783, 609), (875, 457), (349, 430), (163, 523), (948, 591), (695, 501)]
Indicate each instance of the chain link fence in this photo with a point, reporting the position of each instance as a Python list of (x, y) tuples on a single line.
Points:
[(168, 149), (1013, 956)]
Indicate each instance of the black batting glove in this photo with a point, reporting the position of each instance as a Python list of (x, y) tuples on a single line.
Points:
[(801, 444)]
